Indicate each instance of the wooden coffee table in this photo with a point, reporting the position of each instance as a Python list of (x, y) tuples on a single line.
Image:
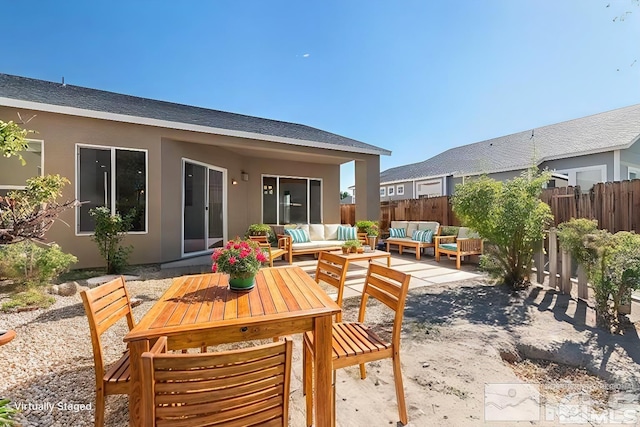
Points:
[(369, 256)]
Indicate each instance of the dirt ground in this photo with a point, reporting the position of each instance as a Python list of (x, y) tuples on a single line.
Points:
[(455, 340), (469, 353)]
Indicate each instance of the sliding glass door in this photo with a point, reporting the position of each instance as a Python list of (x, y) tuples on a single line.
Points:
[(204, 207)]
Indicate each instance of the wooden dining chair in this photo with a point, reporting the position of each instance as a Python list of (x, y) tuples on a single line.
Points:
[(332, 269), (246, 387), (356, 344), (105, 305)]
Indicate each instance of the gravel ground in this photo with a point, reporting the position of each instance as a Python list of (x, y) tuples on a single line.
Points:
[(453, 338)]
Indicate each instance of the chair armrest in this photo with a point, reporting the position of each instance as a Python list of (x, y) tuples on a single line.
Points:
[(469, 244), (160, 346), (284, 241), (437, 240)]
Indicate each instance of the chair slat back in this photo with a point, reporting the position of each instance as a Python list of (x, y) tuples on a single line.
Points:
[(331, 270), (232, 388), (105, 305), (390, 287), (260, 239)]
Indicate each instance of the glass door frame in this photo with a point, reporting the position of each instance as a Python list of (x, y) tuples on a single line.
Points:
[(225, 227)]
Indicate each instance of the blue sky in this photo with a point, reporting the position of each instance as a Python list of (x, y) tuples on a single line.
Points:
[(415, 77)]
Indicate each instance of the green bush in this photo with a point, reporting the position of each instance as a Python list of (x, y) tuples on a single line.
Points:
[(511, 217), (109, 233), (7, 413), (449, 230), (261, 230), (33, 265), (369, 227), (612, 263)]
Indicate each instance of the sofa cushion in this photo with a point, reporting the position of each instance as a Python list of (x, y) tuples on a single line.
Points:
[(411, 227), (298, 235), (329, 243), (399, 224), (399, 240), (331, 231), (397, 232), (306, 245), (316, 232), (429, 225), (347, 233)]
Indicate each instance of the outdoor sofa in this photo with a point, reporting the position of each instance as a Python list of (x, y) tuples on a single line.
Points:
[(315, 238), (408, 238)]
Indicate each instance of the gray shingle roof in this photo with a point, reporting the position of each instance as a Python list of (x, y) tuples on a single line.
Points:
[(611, 130), (44, 92)]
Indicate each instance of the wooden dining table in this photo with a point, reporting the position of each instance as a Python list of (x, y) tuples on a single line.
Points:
[(201, 310)]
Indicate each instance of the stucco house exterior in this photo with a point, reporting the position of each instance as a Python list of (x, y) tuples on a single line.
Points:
[(598, 148), (195, 176)]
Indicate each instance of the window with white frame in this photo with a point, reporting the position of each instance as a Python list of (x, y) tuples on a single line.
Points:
[(633, 173), (14, 174), (390, 190), (383, 192), (291, 200), (115, 178), (585, 177), (400, 190)]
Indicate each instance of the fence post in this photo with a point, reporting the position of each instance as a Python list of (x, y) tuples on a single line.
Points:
[(565, 276), (538, 261), (553, 258), (583, 288)]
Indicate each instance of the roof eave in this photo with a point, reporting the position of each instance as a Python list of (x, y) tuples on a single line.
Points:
[(94, 114)]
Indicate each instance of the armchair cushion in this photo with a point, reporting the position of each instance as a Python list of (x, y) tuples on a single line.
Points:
[(449, 246)]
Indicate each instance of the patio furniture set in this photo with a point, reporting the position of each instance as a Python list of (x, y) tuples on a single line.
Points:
[(165, 385)]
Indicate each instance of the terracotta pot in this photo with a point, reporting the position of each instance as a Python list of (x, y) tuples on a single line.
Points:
[(360, 250)]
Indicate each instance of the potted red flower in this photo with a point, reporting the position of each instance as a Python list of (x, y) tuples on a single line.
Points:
[(241, 260)]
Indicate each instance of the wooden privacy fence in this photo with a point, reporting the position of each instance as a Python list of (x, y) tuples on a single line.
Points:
[(425, 209), (615, 205)]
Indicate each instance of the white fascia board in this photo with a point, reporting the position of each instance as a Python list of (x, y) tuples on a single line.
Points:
[(81, 112), (422, 178)]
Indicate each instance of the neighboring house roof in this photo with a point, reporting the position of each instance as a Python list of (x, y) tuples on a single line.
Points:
[(22, 92), (608, 131)]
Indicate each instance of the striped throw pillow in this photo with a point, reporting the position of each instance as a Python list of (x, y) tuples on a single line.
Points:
[(427, 236), (417, 235), (397, 232), (347, 233), (298, 235)]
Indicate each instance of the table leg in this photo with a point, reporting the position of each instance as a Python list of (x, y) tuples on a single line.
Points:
[(136, 348), (389, 261), (323, 372)]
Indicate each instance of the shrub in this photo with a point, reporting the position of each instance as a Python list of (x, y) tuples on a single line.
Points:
[(511, 217), (7, 413), (449, 230), (109, 233), (367, 226), (261, 230), (612, 263), (32, 265)]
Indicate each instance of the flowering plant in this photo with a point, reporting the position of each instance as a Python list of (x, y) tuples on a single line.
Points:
[(238, 258)]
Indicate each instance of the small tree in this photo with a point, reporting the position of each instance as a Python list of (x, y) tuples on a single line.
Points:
[(109, 233), (13, 139), (511, 216)]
